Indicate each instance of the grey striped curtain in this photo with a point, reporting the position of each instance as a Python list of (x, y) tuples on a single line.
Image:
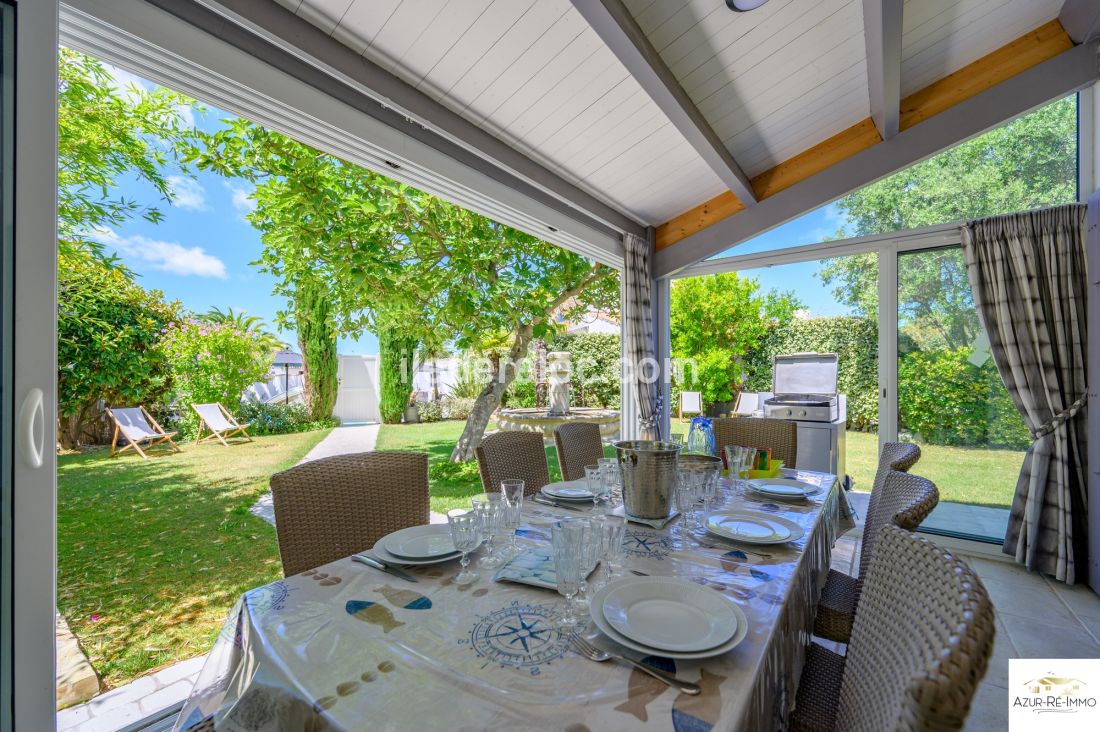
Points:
[(1028, 275), (638, 332)]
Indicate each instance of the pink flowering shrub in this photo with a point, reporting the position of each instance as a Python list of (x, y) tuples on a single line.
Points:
[(212, 362)]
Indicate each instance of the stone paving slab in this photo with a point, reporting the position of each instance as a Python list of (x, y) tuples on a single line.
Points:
[(76, 679)]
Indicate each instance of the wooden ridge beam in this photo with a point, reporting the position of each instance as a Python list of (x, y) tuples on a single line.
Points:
[(1052, 79), (1026, 52)]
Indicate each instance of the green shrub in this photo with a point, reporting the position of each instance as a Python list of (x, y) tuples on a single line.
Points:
[(946, 400), (429, 411), (467, 386), (457, 407), (854, 340), (211, 362), (108, 328), (279, 419), (520, 395), (596, 361)]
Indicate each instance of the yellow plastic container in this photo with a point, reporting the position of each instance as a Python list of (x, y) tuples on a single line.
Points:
[(777, 465)]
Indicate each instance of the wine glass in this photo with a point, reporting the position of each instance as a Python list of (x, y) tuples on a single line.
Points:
[(512, 493), (593, 476), (570, 553), (612, 478), (611, 543), (490, 512), (466, 535)]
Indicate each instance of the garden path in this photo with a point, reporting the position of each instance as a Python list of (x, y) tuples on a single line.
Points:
[(341, 441)]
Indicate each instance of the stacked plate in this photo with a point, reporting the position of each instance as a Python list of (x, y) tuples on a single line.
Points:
[(668, 616), (568, 490), (753, 527), (785, 489), (417, 545)]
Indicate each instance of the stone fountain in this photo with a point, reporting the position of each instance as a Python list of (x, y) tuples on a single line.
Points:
[(558, 371)]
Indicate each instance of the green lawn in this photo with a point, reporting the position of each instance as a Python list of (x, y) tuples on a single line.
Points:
[(451, 484), (152, 554)]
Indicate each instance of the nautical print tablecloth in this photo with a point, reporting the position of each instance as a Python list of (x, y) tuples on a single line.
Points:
[(346, 647)]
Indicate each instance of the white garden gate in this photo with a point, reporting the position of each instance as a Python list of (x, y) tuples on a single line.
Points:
[(357, 397)]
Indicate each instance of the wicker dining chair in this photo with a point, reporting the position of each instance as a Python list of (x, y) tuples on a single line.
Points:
[(763, 433), (903, 500), (579, 444), (921, 642), (333, 507), (513, 455)]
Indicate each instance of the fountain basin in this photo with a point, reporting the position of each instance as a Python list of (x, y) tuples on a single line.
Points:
[(540, 420)]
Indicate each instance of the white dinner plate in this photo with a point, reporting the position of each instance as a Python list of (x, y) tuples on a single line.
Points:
[(595, 608), (420, 542), (751, 527), (570, 490), (781, 487), (670, 614)]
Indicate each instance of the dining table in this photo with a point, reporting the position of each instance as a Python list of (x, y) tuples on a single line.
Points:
[(348, 647)]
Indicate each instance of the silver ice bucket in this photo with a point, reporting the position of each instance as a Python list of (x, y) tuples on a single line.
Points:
[(649, 476)]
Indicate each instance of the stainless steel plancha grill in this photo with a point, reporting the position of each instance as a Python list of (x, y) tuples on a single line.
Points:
[(804, 388)]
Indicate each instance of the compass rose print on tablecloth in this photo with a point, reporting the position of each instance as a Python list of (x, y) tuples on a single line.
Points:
[(646, 544), (520, 636), (268, 597)]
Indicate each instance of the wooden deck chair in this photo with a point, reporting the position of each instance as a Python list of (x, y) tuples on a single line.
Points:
[(138, 427), (691, 402), (220, 422)]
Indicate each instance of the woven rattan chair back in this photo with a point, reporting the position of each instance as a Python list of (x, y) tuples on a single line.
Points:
[(921, 640), (899, 456), (579, 444), (337, 506), (777, 435), (904, 500), (513, 455)]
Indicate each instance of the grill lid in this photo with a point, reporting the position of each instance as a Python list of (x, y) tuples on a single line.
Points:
[(805, 374)]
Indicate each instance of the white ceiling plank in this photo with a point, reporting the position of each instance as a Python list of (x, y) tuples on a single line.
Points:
[(444, 31), (325, 14), (882, 25), (1055, 78), (618, 29), (362, 22)]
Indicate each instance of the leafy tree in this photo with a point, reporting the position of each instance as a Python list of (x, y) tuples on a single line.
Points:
[(105, 134), (108, 330), (717, 320), (391, 256), (1029, 163)]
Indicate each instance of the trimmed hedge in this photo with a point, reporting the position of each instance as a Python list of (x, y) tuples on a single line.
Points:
[(595, 358), (395, 366), (854, 340), (946, 400)]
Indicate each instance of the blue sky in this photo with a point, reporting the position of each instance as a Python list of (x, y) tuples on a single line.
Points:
[(200, 253)]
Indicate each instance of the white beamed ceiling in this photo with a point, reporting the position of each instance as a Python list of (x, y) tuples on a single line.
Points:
[(772, 82)]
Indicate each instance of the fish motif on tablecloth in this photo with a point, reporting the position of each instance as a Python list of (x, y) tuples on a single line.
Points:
[(407, 599), (646, 544), (371, 612), (641, 688), (701, 712)]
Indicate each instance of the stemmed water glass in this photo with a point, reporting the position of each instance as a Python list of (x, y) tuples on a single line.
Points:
[(466, 535), (611, 544), (571, 544), (593, 475), (686, 495), (613, 480), (490, 510), (512, 493), (708, 486), (736, 459)]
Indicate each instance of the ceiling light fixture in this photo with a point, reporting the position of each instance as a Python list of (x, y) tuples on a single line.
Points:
[(741, 6)]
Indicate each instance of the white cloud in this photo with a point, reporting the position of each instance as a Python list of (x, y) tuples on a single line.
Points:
[(188, 193), (167, 256), (242, 200)]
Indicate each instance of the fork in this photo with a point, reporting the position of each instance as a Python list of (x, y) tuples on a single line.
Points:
[(592, 653)]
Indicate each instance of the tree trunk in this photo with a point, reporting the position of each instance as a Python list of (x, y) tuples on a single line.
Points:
[(489, 398), (435, 381)]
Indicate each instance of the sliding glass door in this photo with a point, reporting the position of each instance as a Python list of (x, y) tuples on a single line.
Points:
[(950, 398)]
